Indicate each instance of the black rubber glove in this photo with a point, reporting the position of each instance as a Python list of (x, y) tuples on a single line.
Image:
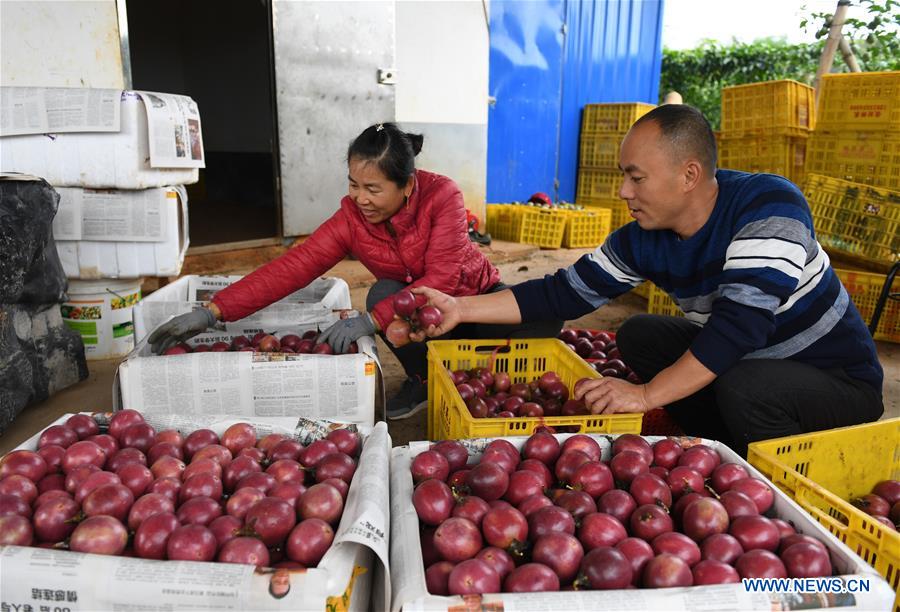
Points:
[(180, 328)]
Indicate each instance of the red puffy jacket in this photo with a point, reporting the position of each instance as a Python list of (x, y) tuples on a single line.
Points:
[(431, 249)]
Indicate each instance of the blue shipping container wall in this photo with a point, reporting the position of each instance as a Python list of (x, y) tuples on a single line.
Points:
[(548, 58)]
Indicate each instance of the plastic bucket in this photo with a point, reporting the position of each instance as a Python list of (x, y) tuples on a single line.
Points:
[(101, 312)]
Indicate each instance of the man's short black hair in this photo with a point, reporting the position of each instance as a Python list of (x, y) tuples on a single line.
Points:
[(687, 131)]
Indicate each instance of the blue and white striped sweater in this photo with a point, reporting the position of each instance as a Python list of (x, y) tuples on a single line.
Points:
[(754, 277)]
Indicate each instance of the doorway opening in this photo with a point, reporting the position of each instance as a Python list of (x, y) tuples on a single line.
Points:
[(219, 54)]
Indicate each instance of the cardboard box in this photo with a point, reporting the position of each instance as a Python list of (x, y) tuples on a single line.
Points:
[(157, 232), (408, 574), (99, 160), (350, 574), (314, 304)]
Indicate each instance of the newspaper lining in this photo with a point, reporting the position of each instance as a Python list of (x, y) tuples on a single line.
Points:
[(110, 215), (46, 110), (245, 384), (176, 138)]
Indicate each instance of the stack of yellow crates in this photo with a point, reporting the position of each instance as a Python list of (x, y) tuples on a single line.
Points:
[(857, 137), (603, 126), (853, 166), (766, 126)]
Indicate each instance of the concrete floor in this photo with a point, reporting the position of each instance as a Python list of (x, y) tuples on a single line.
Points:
[(516, 263)]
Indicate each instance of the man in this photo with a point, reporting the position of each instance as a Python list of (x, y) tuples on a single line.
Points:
[(771, 344)]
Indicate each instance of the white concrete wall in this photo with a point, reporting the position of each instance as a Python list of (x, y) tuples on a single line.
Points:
[(46, 43), (442, 88), (442, 61)]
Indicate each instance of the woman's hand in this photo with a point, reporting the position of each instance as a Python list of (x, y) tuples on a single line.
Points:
[(344, 332), (450, 312), (609, 395), (181, 328)]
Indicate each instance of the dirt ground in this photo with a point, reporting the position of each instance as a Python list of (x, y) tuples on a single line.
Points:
[(515, 263)]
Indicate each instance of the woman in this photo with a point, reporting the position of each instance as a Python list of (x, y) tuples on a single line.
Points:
[(407, 226)]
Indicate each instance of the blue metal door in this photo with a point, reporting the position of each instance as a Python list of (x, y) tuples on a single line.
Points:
[(548, 58), (525, 83)]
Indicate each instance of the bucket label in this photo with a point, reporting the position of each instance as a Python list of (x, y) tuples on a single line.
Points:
[(103, 319)]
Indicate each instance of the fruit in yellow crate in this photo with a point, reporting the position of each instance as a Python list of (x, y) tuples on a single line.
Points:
[(889, 490), (872, 504)]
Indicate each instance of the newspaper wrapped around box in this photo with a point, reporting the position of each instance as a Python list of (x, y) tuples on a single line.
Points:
[(353, 573), (101, 138), (411, 594), (30, 270), (112, 233), (341, 388), (314, 304)]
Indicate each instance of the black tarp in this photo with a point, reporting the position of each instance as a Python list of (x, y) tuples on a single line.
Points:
[(30, 270), (39, 354)]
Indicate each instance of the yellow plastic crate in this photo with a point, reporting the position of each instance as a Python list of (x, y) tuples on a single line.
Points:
[(860, 101), (822, 471), (660, 303), (643, 290), (864, 289), (771, 152), (598, 118), (526, 224), (617, 207), (758, 107), (598, 184), (587, 228), (600, 151), (524, 360), (871, 158), (856, 219)]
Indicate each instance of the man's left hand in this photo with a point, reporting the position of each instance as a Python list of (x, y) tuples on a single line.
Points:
[(609, 395)]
